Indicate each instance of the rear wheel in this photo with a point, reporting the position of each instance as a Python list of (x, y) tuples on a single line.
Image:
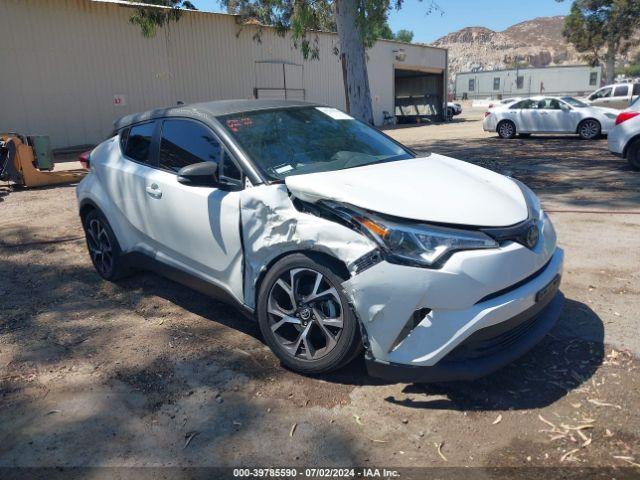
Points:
[(506, 129), (305, 317), (589, 129), (103, 246), (633, 155)]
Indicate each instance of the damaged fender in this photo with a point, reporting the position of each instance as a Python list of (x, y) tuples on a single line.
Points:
[(272, 226)]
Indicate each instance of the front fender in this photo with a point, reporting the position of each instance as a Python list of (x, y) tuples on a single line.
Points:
[(271, 226)]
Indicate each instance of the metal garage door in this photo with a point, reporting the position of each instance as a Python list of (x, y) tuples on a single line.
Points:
[(275, 79)]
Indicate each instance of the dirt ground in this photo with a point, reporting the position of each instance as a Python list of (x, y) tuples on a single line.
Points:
[(145, 372)]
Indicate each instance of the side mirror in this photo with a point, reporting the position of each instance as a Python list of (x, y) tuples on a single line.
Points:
[(203, 174)]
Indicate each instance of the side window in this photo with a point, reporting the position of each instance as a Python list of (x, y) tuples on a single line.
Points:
[(636, 89), (185, 142), (525, 105), (621, 91), (602, 93), (138, 143)]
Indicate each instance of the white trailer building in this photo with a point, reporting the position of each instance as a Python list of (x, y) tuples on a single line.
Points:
[(72, 67), (524, 82)]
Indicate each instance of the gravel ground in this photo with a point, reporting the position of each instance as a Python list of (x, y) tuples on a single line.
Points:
[(145, 372)]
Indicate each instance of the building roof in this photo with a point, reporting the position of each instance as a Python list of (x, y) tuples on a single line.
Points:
[(209, 110)]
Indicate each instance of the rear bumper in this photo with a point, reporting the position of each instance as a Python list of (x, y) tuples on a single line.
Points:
[(484, 352)]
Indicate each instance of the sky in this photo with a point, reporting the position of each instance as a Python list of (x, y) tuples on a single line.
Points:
[(494, 14)]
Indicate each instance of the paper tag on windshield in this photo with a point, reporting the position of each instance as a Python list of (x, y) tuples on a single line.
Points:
[(334, 113), (283, 169)]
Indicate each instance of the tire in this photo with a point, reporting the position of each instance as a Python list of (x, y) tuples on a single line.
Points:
[(103, 247), (524, 135), (589, 129), (314, 335), (506, 129), (633, 155)]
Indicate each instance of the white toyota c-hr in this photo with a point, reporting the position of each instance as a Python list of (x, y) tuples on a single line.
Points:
[(336, 238)]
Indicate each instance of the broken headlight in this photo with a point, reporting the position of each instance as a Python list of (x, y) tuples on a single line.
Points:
[(414, 244)]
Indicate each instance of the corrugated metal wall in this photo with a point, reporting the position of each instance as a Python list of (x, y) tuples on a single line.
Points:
[(63, 61), (569, 80)]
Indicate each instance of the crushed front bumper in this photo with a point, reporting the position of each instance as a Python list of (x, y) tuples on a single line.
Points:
[(485, 351)]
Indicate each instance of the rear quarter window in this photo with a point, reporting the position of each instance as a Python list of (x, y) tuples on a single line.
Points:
[(139, 140), (621, 91)]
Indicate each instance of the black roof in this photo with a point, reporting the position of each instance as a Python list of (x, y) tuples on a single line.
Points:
[(209, 110)]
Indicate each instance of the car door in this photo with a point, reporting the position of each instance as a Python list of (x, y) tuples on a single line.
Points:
[(124, 173), (524, 114), (196, 228), (553, 118), (600, 98), (620, 97)]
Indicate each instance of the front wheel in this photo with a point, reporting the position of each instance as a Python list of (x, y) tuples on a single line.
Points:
[(589, 129), (507, 129), (304, 315)]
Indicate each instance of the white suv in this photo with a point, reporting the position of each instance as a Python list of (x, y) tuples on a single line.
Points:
[(334, 237)]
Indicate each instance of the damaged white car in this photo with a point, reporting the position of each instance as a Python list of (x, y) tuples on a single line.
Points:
[(336, 238)]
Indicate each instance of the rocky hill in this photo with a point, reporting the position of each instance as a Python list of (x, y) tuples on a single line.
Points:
[(537, 43)]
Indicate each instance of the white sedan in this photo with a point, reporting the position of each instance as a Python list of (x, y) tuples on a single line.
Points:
[(550, 115)]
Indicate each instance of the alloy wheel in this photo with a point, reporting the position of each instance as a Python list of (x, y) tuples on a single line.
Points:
[(506, 129), (305, 313), (100, 247), (589, 129)]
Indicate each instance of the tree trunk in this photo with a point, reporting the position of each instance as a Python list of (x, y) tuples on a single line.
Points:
[(610, 59), (354, 62)]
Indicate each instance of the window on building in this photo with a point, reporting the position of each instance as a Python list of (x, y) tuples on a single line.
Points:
[(496, 83), (472, 84), (185, 142), (520, 82), (139, 142), (593, 78), (621, 91)]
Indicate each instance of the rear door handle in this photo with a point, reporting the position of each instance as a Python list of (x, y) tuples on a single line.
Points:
[(154, 191)]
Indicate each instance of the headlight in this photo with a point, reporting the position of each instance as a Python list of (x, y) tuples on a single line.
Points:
[(418, 244)]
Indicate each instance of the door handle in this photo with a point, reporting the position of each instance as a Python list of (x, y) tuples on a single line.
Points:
[(154, 191)]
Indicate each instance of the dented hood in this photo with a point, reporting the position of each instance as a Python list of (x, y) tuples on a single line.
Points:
[(433, 189)]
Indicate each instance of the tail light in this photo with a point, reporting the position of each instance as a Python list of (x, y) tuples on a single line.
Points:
[(85, 159), (486, 114), (624, 116)]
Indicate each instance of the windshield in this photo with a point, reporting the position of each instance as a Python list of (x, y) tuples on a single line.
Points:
[(293, 141), (574, 102)]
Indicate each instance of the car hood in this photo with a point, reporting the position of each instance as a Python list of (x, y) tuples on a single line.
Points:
[(432, 189)]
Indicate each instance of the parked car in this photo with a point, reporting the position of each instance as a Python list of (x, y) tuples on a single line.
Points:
[(333, 236), (619, 96), (549, 115), (453, 109), (624, 139)]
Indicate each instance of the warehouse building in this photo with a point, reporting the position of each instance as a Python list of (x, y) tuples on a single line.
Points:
[(72, 67), (523, 82)]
